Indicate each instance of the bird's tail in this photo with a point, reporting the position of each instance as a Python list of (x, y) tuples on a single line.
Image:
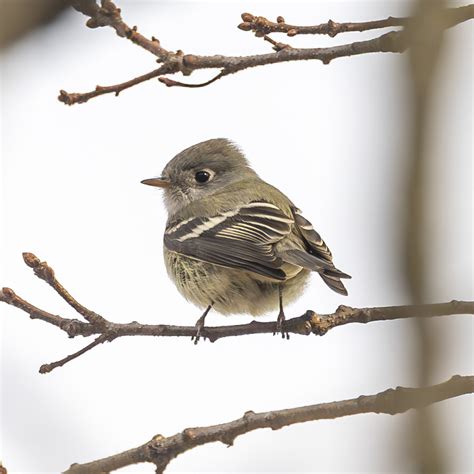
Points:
[(334, 283), (329, 273)]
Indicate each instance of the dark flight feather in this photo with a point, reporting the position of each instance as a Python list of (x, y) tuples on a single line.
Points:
[(316, 247)]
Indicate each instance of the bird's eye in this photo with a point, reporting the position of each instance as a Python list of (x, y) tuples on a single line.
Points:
[(202, 176)]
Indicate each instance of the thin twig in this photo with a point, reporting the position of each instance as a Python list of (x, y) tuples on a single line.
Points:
[(171, 83), (72, 327), (308, 323), (46, 273), (173, 62), (109, 15), (261, 26), (162, 450), (72, 98), (46, 368), (277, 46)]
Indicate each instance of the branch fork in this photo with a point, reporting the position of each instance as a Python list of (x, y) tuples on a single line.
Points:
[(107, 331), (109, 15)]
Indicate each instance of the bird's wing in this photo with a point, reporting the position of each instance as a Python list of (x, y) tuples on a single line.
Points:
[(241, 238), (317, 256)]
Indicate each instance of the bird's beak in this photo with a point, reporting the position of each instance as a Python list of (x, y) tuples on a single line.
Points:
[(161, 182)]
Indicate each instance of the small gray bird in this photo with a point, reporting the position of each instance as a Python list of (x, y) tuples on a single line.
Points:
[(233, 242)]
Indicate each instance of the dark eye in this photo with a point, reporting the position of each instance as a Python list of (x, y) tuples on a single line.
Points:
[(202, 176)]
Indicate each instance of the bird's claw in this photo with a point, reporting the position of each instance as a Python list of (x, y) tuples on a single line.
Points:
[(200, 330), (280, 326)]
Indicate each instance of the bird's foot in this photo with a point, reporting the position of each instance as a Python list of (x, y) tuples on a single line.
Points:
[(280, 326), (200, 329)]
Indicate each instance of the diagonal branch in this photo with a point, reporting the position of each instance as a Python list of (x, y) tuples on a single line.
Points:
[(75, 98), (308, 323), (173, 62), (162, 450), (109, 15), (46, 368), (44, 272)]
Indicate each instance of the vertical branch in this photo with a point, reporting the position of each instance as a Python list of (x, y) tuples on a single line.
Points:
[(425, 35)]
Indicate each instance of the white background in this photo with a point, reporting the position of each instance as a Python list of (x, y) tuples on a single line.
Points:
[(334, 138)]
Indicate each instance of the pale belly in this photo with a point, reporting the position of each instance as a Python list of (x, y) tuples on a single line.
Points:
[(230, 291)]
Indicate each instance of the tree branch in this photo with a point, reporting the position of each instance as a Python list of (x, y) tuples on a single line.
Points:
[(75, 98), (162, 450), (173, 62), (261, 26), (109, 15), (308, 323)]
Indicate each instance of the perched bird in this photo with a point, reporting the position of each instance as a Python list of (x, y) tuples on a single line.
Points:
[(233, 242)]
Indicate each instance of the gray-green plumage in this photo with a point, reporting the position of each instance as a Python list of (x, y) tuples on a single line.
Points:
[(231, 239)]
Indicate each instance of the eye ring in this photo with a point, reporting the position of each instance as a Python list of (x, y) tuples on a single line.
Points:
[(203, 176)]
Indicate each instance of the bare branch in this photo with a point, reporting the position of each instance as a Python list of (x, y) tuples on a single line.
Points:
[(171, 83), (46, 273), (72, 327), (109, 15), (46, 368), (173, 62), (162, 450), (261, 26), (308, 323), (390, 42), (75, 98)]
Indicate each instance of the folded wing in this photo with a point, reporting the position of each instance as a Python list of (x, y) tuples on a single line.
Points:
[(257, 237), (241, 238)]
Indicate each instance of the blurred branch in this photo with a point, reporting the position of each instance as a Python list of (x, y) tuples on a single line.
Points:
[(18, 18), (162, 450), (173, 62), (426, 37), (309, 323)]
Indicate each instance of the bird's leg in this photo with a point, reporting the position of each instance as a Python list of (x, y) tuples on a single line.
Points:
[(200, 325), (280, 322)]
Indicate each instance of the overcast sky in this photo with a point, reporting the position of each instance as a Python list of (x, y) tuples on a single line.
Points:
[(333, 138)]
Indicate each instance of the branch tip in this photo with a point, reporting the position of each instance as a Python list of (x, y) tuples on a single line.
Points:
[(247, 17), (31, 259), (7, 295)]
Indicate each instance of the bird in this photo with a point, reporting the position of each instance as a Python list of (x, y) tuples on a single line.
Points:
[(233, 242)]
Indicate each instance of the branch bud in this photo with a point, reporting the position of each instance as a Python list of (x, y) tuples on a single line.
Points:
[(7, 294), (245, 26), (31, 259), (247, 17)]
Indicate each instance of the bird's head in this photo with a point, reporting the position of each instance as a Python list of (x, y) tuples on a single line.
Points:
[(201, 170)]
